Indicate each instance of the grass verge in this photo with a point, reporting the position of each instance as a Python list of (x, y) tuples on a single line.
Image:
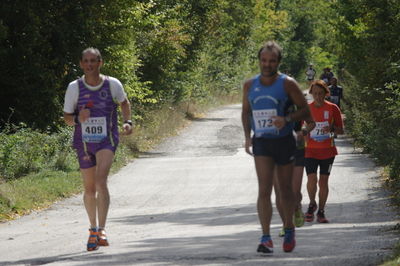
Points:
[(395, 258), (36, 191), (393, 185)]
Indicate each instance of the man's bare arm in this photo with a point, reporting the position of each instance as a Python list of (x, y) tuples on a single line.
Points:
[(69, 119), (126, 116), (246, 110)]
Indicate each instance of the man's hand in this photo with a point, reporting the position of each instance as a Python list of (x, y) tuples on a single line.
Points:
[(247, 145), (84, 115), (279, 121)]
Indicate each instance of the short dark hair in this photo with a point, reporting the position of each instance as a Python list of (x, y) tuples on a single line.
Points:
[(94, 51), (271, 46)]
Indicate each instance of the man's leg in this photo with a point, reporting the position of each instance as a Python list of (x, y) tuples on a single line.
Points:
[(285, 175), (277, 191), (278, 201), (265, 171), (89, 194), (104, 160)]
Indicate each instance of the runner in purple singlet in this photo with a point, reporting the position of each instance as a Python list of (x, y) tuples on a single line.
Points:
[(90, 106)]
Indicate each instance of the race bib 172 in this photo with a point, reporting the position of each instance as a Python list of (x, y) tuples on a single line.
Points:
[(263, 122)]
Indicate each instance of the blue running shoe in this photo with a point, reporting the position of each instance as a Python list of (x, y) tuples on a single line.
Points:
[(266, 245), (289, 242), (92, 241)]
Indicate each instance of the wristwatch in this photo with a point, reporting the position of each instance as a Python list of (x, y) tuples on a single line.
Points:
[(129, 122), (76, 119), (288, 119)]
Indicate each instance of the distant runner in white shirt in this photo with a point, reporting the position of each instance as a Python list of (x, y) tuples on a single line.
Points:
[(310, 73)]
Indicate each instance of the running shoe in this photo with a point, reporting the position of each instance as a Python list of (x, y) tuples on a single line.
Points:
[(102, 238), (298, 218), (282, 232), (289, 242), (310, 212), (266, 245), (321, 217), (92, 243)]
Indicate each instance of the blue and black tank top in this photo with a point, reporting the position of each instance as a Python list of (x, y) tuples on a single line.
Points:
[(266, 102)]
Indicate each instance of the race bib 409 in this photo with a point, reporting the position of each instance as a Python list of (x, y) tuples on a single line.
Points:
[(94, 130)]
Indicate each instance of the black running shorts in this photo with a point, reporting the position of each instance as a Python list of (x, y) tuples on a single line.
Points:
[(282, 150), (299, 159), (325, 166)]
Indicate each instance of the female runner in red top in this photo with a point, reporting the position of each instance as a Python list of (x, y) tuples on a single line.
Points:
[(320, 149)]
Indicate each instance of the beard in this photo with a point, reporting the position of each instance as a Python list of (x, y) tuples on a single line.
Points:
[(268, 72)]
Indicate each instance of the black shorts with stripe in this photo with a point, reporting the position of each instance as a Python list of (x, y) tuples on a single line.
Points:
[(325, 166)]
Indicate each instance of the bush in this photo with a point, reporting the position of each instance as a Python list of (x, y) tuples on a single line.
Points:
[(24, 150)]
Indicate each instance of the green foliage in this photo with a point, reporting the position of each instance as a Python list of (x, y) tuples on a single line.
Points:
[(154, 48), (269, 22), (223, 61), (40, 46), (164, 52), (190, 44), (189, 50), (368, 38), (322, 58), (26, 151)]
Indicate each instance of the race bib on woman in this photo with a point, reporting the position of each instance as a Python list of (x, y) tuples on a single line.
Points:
[(318, 133)]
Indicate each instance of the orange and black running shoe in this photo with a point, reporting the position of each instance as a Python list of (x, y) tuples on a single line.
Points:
[(309, 216), (321, 217)]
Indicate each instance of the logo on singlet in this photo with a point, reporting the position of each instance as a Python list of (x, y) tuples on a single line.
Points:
[(103, 94)]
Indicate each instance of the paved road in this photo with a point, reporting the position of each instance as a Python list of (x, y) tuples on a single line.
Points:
[(192, 200)]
